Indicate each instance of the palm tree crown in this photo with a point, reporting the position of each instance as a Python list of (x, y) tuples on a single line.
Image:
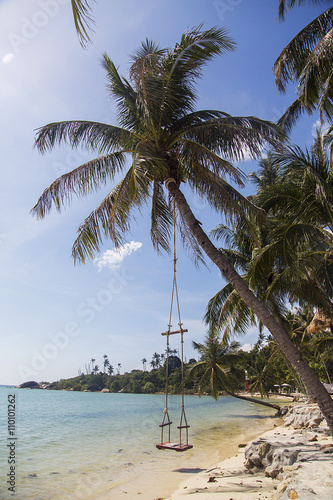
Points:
[(164, 138)]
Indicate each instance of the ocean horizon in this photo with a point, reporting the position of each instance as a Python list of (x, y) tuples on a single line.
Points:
[(82, 445)]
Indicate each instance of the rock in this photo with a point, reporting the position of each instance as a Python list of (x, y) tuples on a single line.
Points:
[(273, 455), (303, 416), (105, 390), (29, 385)]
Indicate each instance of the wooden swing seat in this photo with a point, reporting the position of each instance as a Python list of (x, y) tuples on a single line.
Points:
[(174, 446)]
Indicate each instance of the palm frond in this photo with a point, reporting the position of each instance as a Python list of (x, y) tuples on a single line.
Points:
[(306, 60), (111, 218), (285, 5), (189, 242), (235, 137), (90, 135), (228, 314), (161, 219), (82, 19), (81, 181), (123, 93)]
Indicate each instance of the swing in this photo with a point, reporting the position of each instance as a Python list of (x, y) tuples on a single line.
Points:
[(166, 422)]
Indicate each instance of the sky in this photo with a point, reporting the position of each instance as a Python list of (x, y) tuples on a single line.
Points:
[(56, 316)]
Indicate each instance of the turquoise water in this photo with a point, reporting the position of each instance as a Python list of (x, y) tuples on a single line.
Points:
[(79, 445)]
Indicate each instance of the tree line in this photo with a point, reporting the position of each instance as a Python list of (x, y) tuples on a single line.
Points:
[(222, 368)]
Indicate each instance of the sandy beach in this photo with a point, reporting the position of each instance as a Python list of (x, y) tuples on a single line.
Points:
[(310, 476), (283, 458), (158, 479)]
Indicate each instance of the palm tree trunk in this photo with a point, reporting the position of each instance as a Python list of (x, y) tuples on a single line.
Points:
[(311, 382), (254, 400)]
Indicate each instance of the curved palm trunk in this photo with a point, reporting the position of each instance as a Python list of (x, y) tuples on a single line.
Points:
[(311, 382), (256, 401)]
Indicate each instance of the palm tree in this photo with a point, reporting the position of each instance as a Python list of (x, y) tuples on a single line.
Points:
[(95, 370), (110, 369), (289, 259), (307, 62), (143, 361), (262, 376), (169, 144), (157, 360), (106, 362), (92, 365), (119, 367), (216, 368)]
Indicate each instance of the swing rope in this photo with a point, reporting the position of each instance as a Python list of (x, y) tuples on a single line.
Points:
[(166, 419)]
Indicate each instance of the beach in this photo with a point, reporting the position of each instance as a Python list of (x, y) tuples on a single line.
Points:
[(109, 442), (166, 478), (109, 445), (295, 461)]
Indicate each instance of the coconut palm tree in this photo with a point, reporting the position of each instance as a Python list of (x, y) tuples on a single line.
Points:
[(216, 368), (106, 362), (307, 62), (288, 260), (143, 361), (169, 144), (157, 360), (261, 375), (110, 369)]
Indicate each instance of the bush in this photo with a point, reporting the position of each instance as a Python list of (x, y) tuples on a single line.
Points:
[(148, 388)]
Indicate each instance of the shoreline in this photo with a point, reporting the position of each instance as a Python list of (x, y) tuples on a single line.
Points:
[(309, 476), (161, 478)]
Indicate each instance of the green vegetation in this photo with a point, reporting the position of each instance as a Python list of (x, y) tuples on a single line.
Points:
[(221, 369), (171, 144)]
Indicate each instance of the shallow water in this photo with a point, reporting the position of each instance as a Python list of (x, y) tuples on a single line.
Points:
[(79, 445)]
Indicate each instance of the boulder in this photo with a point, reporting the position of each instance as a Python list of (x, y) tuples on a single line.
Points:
[(105, 390), (303, 416), (29, 385), (273, 455)]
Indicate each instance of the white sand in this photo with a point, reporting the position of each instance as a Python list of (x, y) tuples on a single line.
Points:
[(230, 480)]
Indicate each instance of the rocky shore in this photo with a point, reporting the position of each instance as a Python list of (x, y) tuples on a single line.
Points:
[(292, 461)]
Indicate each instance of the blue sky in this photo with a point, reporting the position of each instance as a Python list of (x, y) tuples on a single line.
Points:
[(55, 316)]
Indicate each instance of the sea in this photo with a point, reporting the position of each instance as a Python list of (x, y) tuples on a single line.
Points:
[(65, 445)]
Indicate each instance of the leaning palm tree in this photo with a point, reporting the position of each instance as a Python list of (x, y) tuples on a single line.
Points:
[(216, 369), (307, 62), (169, 144)]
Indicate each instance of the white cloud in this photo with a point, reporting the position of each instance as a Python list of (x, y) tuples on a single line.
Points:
[(247, 347), (318, 125), (114, 258)]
